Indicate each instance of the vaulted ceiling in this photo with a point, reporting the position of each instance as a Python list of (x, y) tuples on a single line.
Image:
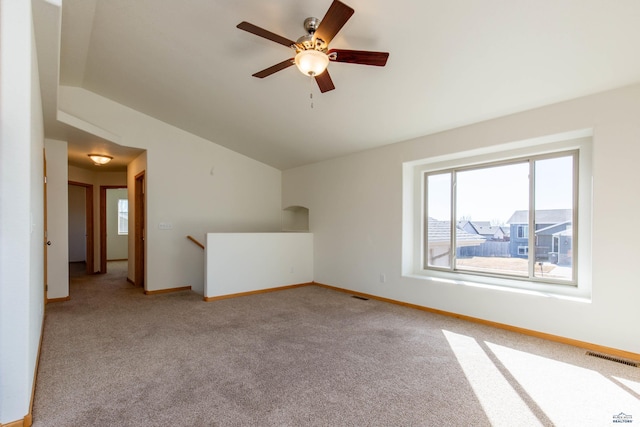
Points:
[(451, 63)]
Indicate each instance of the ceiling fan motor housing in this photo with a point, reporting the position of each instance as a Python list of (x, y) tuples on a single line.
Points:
[(311, 24), (308, 41)]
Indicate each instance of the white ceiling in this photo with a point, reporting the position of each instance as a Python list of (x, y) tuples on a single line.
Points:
[(451, 63)]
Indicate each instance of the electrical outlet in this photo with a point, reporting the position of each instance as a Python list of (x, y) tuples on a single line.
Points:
[(383, 278)]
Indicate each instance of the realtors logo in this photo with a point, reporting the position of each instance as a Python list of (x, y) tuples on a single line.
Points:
[(623, 418)]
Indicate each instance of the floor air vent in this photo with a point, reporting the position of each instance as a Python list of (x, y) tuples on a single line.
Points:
[(359, 297), (613, 359)]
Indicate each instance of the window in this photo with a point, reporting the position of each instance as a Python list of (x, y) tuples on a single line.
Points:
[(123, 217), (533, 199), (523, 231)]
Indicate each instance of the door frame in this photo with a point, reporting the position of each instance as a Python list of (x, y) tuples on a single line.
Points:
[(103, 224), (139, 229), (46, 228), (88, 222)]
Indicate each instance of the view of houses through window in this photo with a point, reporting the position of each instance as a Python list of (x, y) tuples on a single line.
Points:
[(512, 218)]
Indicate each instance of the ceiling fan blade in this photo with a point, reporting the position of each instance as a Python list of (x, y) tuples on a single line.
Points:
[(335, 18), (261, 32), (324, 82), (363, 57), (274, 69)]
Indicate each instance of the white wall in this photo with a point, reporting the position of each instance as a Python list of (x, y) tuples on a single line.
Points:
[(355, 205), (117, 244), (245, 262), (21, 210), (77, 223), (57, 219), (194, 185)]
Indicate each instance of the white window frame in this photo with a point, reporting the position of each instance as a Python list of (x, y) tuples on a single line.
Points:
[(522, 230), (121, 231), (414, 203)]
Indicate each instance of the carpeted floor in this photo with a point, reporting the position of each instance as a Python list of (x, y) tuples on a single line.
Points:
[(309, 356)]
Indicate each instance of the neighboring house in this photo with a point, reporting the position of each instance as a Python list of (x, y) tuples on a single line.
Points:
[(563, 243), (550, 224), (496, 233), (438, 250), (468, 226)]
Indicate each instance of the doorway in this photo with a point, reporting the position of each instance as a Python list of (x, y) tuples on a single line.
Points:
[(139, 228), (81, 224), (114, 228)]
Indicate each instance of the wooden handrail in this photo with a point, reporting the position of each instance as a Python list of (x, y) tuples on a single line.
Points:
[(195, 241)]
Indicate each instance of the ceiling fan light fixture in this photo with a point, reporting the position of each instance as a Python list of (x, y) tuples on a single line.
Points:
[(312, 50), (311, 62), (100, 159)]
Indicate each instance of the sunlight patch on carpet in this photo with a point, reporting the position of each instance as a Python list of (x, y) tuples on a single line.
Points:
[(633, 385), (568, 394), (500, 401)]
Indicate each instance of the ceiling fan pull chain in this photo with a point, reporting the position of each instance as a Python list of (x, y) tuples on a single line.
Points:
[(311, 91)]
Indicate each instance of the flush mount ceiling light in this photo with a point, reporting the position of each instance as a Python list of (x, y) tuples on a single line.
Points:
[(100, 159)]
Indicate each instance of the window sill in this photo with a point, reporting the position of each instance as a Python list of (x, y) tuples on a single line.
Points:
[(562, 292)]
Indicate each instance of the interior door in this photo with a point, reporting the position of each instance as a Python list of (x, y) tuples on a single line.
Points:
[(88, 224), (139, 234)]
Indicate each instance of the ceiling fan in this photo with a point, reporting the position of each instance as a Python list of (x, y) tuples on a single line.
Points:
[(312, 50)]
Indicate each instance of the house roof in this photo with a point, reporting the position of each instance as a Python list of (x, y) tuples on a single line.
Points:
[(568, 232), (543, 216), (478, 224), (440, 231), (483, 228), (465, 225), (554, 228), (488, 230)]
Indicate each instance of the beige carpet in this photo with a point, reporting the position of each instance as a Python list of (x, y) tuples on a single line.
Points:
[(310, 356)]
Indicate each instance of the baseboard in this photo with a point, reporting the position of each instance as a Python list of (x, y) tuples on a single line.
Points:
[(131, 281), (67, 298), (260, 291), (549, 337), (166, 291), (19, 423)]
